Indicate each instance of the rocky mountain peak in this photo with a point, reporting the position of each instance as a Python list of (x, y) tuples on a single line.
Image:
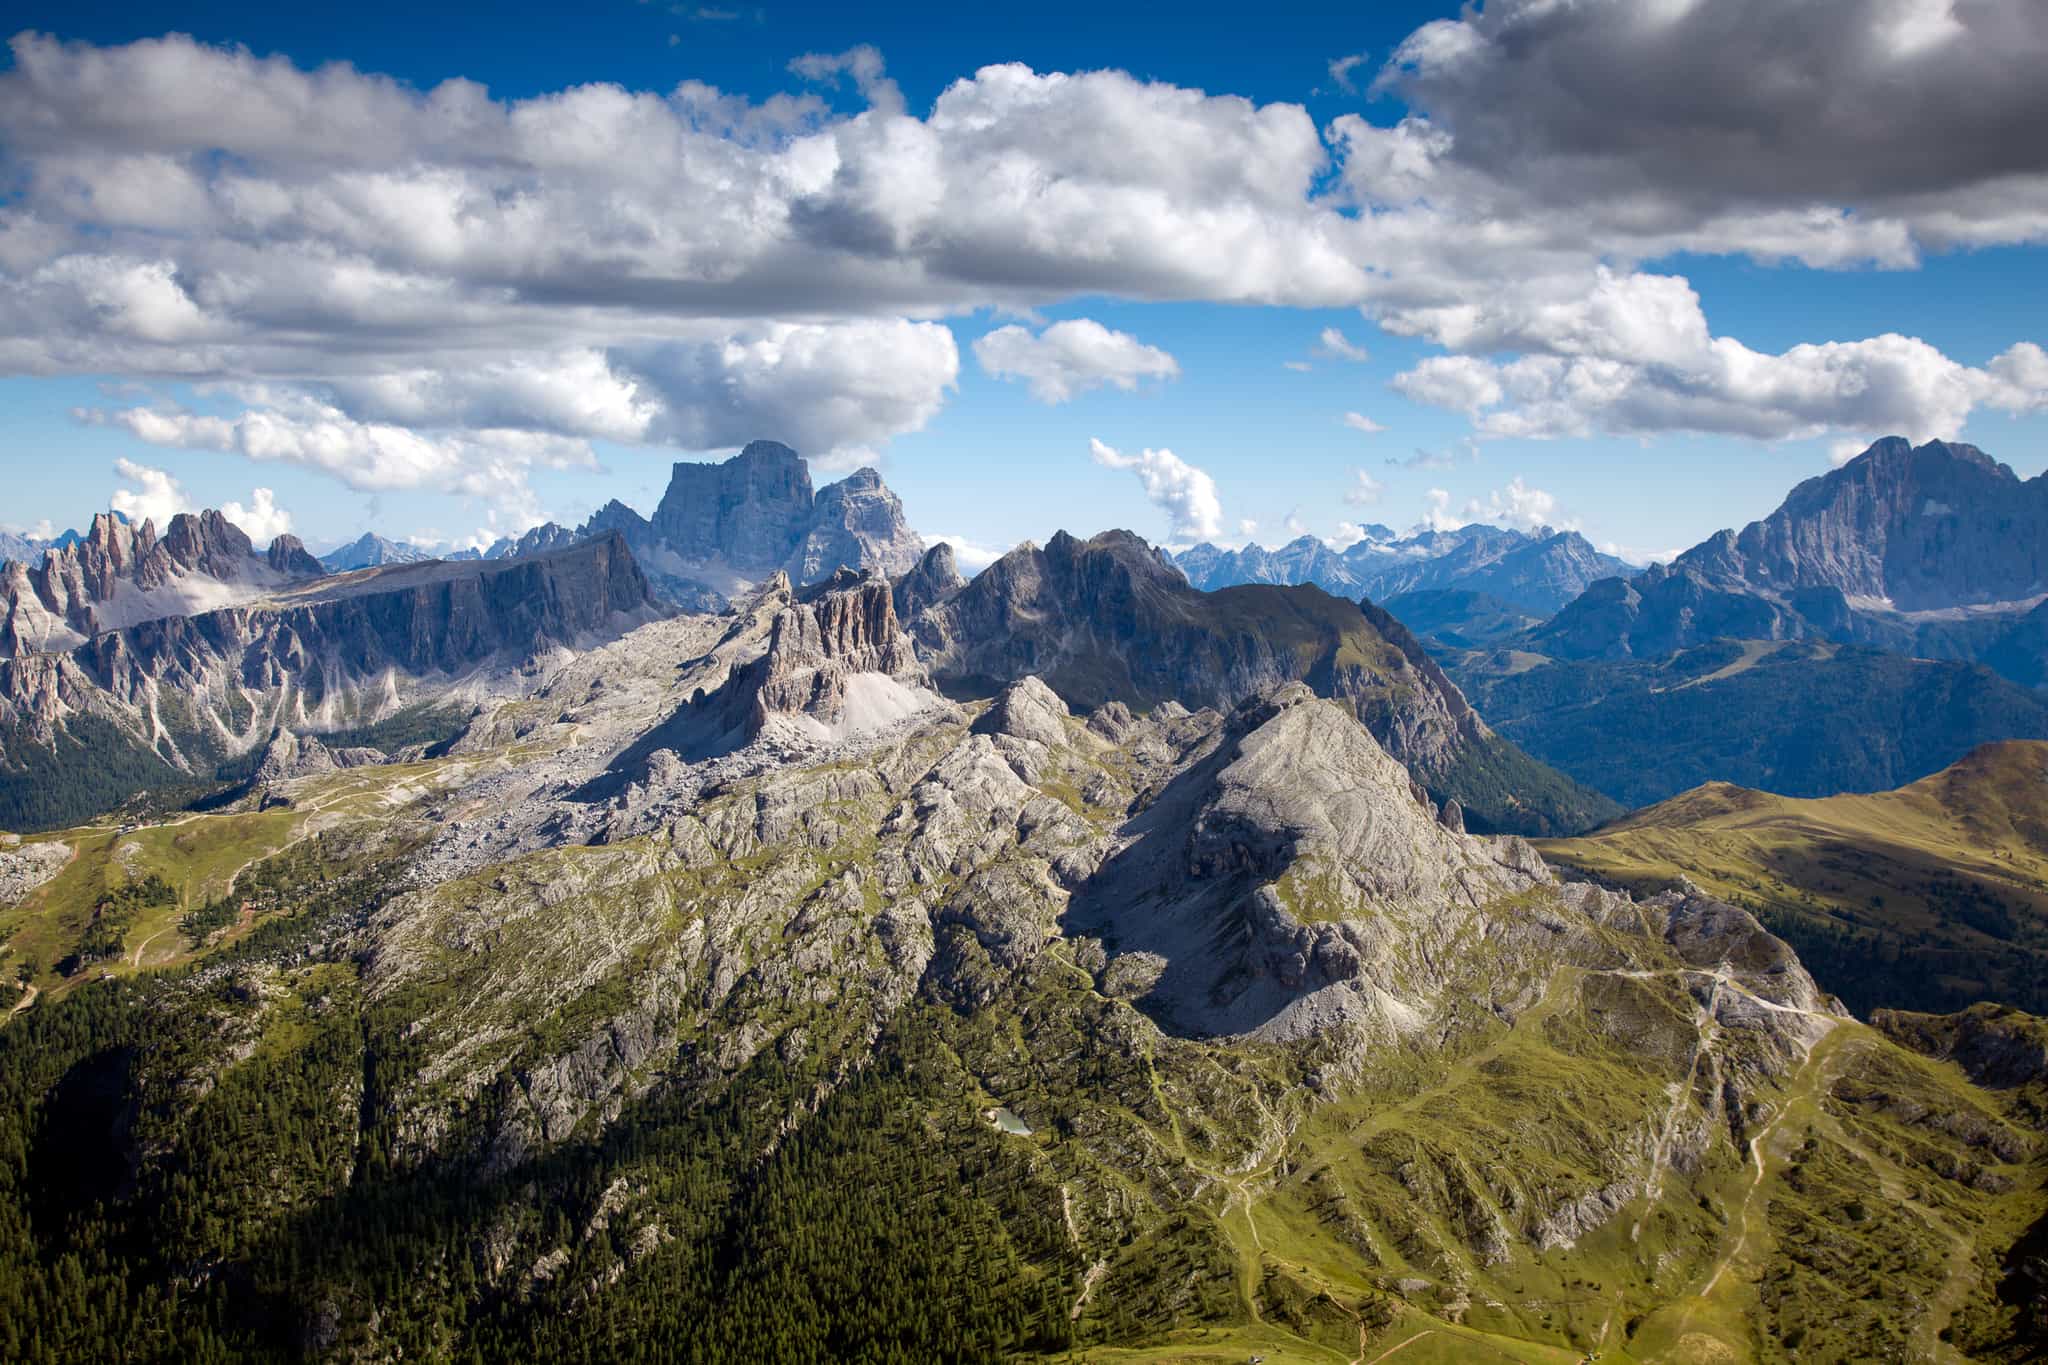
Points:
[(934, 579), (288, 555), (1899, 527), (857, 522)]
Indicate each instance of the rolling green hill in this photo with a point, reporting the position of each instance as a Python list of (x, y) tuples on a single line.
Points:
[(1929, 897)]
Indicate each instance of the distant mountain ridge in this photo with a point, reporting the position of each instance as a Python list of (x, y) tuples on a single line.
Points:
[(120, 575), (1934, 550), (169, 698), (1537, 571), (370, 551)]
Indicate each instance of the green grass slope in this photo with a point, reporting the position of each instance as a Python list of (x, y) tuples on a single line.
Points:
[(1929, 897)]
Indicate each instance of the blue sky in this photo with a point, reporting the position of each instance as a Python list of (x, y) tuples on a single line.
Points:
[(1510, 266)]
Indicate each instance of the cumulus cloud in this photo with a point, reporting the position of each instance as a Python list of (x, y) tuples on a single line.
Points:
[(1888, 383), (1070, 358), (372, 457), (1436, 512), (1186, 494), (1348, 534), (1359, 422), (1517, 505), (1678, 114), (153, 495), (262, 520), (603, 263)]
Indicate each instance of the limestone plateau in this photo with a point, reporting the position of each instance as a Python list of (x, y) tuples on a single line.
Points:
[(522, 958)]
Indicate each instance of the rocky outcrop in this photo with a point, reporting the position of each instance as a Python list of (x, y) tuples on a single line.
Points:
[(323, 656), (833, 665), (290, 756), (288, 556), (119, 575), (27, 867), (1996, 1046), (933, 581), (723, 528), (855, 523)]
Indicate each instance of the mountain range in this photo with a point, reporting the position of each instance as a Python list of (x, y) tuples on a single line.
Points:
[(1537, 571), (1885, 620), (1141, 1024), (1937, 551), (499, 959)]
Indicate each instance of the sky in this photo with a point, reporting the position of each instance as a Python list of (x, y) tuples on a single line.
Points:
[(1632, 267)]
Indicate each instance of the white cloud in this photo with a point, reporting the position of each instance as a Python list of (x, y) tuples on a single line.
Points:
[(262, 520), (155, 495), (1298, 366), (1889, 383), (1333, 342), (369, 456), (1292, 523), (1517, 505), (1641, 558), (1348, 534), (1365, 490), (1069, 358), (1359, 422), (1341, 69), (603, 263), (1186, 494), (1247, 527), (972, 556), (1461, 383), (1436, 512)]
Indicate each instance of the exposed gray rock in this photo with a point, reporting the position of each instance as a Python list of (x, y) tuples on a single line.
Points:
[(934, 580), (1027, 709), (119, 575), (855, 523), (24, 868)]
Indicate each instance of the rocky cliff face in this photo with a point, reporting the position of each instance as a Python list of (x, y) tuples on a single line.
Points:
[(855, 523), (807, 669), (119, 575), (195, 688), (933, 580), (1111, 619), (1902, 527), (723, 528), (1936, 551)]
